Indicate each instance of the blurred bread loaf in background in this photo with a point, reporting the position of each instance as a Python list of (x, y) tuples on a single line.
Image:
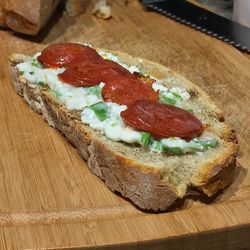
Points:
[(26, 17), (30, 16)]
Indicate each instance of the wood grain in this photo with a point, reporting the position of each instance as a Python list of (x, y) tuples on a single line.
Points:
[(201, 5), (49, 198)]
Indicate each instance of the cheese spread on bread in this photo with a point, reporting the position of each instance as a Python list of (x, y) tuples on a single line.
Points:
[(105, 116)]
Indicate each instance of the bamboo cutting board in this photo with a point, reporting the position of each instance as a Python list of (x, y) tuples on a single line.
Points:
[(50, 199)]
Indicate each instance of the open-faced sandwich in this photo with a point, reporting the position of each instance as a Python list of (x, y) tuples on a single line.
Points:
[(147, 132)]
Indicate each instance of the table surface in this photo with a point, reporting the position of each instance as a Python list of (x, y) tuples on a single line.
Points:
[(47, 195)]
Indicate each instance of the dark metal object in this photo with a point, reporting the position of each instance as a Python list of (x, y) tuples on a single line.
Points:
[(204, 21)]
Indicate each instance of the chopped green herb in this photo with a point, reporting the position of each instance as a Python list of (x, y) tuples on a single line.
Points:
[(145, 137), (194, 146), (176, 95), (184, 147), (155, 146), (113, 124), (21, 72), (197, 145), (58, 93), (166, 100), (96, 90), (35, 63), (105, 56), (190, 110), (175, 151), (100, 109), (172, 150), (31, 72), (41, 83), (209, 143)]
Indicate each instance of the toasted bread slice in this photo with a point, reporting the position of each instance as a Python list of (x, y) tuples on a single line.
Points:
[(150, 180)]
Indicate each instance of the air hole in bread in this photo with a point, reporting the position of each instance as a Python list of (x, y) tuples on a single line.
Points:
[(193, 94)]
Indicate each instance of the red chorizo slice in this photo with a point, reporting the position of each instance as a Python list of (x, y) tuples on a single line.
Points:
[(81, 74), (161, 120), (62, 54), (91, 72), (127, 90), (112, 69)]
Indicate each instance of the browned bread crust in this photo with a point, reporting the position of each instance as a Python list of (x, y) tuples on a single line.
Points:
[(26, 17), (149, 180)]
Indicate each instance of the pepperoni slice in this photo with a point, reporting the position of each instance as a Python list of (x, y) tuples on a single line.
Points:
[(111, 70), (162, 120), (91, 72), (62, 54), (85, 67), (127, 90), (82, 74)]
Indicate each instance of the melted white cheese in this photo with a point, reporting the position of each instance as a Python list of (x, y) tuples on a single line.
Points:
[(113, 126), (157, 86), (72, 97)]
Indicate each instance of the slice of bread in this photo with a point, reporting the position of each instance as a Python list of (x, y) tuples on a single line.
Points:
[(150, 180)]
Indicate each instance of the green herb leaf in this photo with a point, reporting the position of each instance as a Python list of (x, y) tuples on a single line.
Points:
[(41, 83), (31, 72), (166, 100), (175, 151), (155, 146), (58, 93), (35, 63), (176, 95), (21, 72), (100, 109), (209, 143), (113, 124), (96, 90), (190, 110), (194, 146), (172, 150), (145, 137)]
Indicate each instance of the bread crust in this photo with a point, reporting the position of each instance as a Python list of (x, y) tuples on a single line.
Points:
[(147, 187), (26, 17), (143, 187)]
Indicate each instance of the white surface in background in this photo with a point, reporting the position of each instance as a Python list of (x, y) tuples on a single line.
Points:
[(241, 12)]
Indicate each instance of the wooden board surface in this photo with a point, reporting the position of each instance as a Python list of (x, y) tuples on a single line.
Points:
[(49, 198)]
